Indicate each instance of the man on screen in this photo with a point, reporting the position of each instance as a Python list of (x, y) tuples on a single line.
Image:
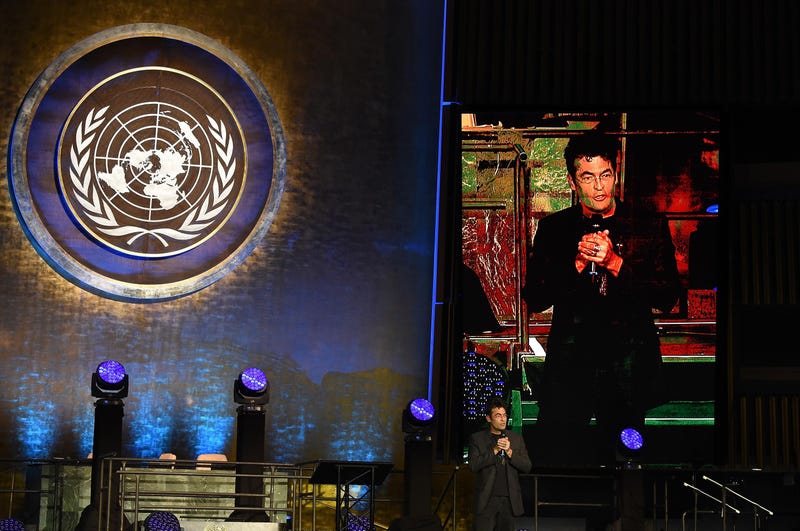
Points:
[(603, 265)]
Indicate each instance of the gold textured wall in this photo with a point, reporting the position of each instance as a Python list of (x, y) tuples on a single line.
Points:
[(334, 304)]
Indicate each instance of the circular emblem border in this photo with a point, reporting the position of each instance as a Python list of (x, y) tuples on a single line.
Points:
[(32, 182)]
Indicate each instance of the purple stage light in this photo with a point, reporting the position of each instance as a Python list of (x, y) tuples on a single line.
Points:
[(421, 409), (254, 379), (631, 439), (11, 524), (418, 419), (111, 371), (162, 521), (110, 380), (251, 387)]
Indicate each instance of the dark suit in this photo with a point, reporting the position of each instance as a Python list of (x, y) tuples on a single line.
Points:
[(484, 462), (603, 352)]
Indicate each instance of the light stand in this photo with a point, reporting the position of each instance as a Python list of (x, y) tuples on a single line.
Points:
[(630, 480), (418, 426), (251, 390), (109, 386)]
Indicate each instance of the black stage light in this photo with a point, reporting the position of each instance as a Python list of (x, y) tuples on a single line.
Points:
[(418, 426), (109, 386), (162, 521), (631, 439), (251, 387), (418, 419), (251, 391), (358, 522), (629, 445), (110, 380)]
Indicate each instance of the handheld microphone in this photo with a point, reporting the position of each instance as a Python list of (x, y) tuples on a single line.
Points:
[(595, 226)]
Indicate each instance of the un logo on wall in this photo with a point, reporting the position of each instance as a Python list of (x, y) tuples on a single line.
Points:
[(151, 173), (170, 162)]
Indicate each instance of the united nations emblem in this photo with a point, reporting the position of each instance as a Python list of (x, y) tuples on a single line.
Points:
[(170, 162), (151, 173)]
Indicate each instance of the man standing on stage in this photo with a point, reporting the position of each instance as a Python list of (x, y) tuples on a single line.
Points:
[(497, 457)]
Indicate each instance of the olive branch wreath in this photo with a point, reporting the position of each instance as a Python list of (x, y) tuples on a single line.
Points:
[(100, 211)]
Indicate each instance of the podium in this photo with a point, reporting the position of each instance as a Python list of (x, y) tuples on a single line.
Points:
[(351, 509)]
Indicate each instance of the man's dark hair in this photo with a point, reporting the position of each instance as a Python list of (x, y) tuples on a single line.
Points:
[(591, 144), (496, 402)]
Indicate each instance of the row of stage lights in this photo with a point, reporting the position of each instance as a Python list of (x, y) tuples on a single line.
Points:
[(110, 385), (110, 382), (251, 390)]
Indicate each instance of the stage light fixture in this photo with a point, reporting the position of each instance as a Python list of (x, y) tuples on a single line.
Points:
[(11, 524), (629, 446), (110, 380), (162, 521), (358, 522), (251, 391), (251, 387), (418, 425), (109, 386), (631, 439), (418, 418)]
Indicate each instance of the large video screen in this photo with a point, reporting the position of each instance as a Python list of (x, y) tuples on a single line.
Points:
[(577, 371)]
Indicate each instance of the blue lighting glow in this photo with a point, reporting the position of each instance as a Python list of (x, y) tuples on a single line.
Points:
[(37, 433), (152, 431), (212, 432)]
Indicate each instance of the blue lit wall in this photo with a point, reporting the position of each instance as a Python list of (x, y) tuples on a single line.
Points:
[(334, 304)]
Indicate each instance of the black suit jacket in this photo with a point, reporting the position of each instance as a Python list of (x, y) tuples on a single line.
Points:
[(482, 461), (587, 327)]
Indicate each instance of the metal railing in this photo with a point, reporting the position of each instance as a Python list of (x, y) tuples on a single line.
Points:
[(55, 495)]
